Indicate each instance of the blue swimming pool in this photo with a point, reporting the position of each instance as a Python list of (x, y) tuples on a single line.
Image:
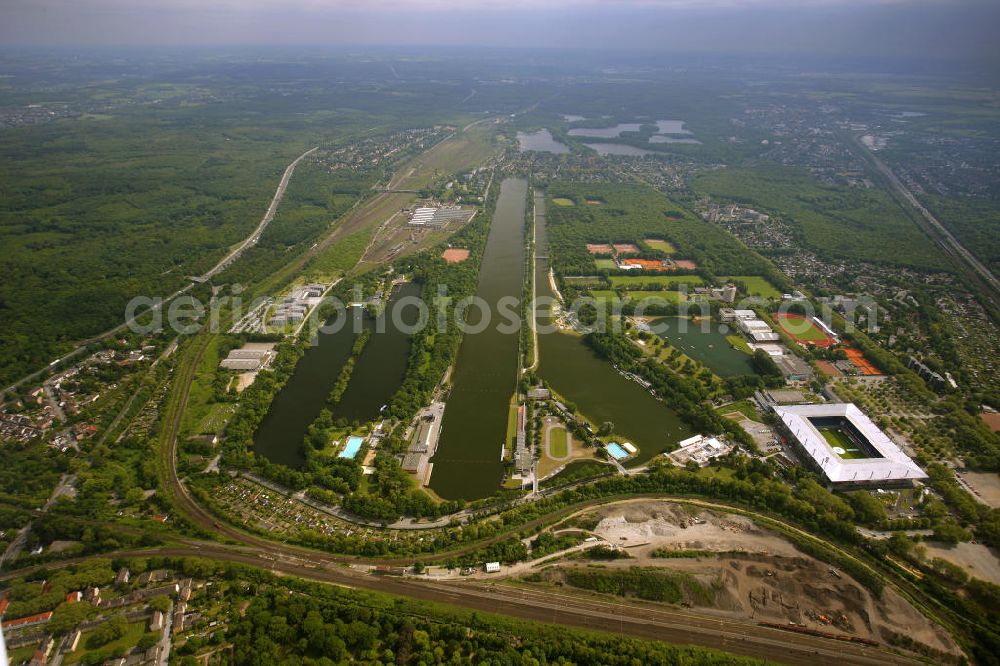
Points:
[(352, 447), (616, 451)]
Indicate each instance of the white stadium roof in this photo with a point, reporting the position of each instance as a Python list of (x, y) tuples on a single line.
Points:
[(894, 465)]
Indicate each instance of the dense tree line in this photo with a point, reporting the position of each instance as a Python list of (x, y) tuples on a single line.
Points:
[(324, 626)]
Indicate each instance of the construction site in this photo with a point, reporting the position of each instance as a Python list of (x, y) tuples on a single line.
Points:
[(727, 566)]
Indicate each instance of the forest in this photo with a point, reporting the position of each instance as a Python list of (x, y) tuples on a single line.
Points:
[(832, 220), (157, 182)]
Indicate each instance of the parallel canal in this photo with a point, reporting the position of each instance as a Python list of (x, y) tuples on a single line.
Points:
[(599, 391), (377, 375), (467, 463), (379, 371)]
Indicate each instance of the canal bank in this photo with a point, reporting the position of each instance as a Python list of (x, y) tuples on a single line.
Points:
[(599, 391), (467, 463)]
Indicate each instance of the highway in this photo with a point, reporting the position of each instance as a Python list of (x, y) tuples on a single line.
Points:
[(228, 259), (279, 193), (936, 230)]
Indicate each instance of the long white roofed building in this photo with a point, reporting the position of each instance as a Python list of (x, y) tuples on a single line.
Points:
[(846, 447)]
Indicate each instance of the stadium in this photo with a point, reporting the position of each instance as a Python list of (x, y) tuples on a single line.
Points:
[(846, 447)]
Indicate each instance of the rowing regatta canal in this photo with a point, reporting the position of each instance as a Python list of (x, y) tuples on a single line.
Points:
[(467, 463)]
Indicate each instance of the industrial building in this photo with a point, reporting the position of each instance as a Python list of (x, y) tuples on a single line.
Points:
[(423, 443), (247, 359), (843, 445), (294, 307), (793, 368), (439, 217)]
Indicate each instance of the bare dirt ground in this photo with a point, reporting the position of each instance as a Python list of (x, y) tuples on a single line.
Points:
[(455, 255), (977, 560), (757, 574), (986, 486), (644, 526)]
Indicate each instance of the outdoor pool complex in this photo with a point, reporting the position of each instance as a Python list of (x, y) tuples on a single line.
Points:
[(617, 452), (352, 447)]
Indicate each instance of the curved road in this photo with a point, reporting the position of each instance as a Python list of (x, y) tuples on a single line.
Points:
[(279, 193), (228, 259)]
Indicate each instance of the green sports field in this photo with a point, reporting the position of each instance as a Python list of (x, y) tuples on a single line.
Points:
[(609, 294), (584, 280), (755, 285), (604, 294), (802, 329), (558, 446), (563, 201), (836, 437), (658, 280), (669, 296), (660, 244), (608, 264)]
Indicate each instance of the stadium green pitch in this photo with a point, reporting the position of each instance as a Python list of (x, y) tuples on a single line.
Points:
[(840, 441)]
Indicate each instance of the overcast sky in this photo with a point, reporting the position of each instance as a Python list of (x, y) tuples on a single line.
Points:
[(935, 28)]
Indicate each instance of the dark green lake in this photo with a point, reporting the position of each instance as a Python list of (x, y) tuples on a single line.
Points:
[(467, 463), (705, 346), (377, 374), (601, 394), (379, 370)]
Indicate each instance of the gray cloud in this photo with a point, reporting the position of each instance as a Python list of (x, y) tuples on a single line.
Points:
[(935, 28)]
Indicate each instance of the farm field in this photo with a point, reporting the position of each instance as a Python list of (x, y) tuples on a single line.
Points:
[(755, 285)]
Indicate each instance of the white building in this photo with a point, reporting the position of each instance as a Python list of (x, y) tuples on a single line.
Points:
[(876, 461), (729, 314), (749, 326)]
